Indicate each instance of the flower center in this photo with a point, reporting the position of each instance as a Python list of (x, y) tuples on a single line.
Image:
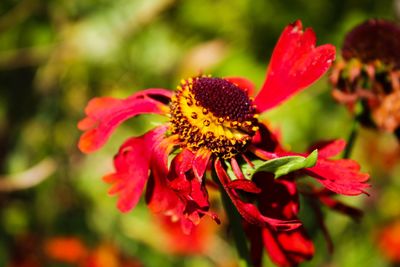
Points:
[(374, 40), (213, 113)]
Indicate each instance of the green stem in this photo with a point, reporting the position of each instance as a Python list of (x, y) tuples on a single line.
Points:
[(237, 231), (351, 140)]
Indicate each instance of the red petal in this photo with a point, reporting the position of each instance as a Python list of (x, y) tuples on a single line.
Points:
[(243, 83), (328, 149), (200, 163), (249, 211), (236, 169), (244, 185), (186, 158), (105, 114), (278, 197), (295, 64), (341, 176), (191, 190), (132, 169), (288, 248), (159, 196)]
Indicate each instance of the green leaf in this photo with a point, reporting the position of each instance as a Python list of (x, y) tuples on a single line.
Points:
[(285, 165)]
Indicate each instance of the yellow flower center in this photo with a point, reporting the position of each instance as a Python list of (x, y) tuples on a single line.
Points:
[(213, 113)]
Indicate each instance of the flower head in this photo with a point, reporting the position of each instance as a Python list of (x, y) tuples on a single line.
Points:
[(214, 134), (214, 114), (369, 74)]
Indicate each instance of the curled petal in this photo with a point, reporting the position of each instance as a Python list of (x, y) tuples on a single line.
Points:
[(132, 169), (295, 64), (106, 113)]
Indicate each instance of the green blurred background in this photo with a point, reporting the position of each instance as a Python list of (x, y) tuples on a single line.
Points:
[(57, 54)]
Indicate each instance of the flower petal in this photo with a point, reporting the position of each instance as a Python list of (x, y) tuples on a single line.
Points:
[(200, 163), (249, 211), (132, 169), (159, 196), (330, 148), (191, 191), (244, 185), (288, 248), (106, 113), (341, 176), (295, 64)]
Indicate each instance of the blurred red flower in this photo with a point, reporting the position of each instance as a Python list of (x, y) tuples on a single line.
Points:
[(388, 241)]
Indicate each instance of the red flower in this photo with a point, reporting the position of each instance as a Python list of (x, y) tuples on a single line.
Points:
[(213, 132)]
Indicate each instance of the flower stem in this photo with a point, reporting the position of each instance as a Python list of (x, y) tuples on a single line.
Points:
[(351, 139), (237, 231)]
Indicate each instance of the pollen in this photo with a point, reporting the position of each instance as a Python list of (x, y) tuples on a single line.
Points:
[(213, 113)]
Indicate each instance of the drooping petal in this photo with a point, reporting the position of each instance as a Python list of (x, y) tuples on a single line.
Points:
[(132, 169), (244, 185), (342, 176), (247, 210), (278, 197), (191, 191), (200, 163), (106, 113), (160, 197), (254, 236), (295, 64), (288, 248)]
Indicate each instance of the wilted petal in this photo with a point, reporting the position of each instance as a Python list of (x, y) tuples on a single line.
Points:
[(295, 64), (105, 114)]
